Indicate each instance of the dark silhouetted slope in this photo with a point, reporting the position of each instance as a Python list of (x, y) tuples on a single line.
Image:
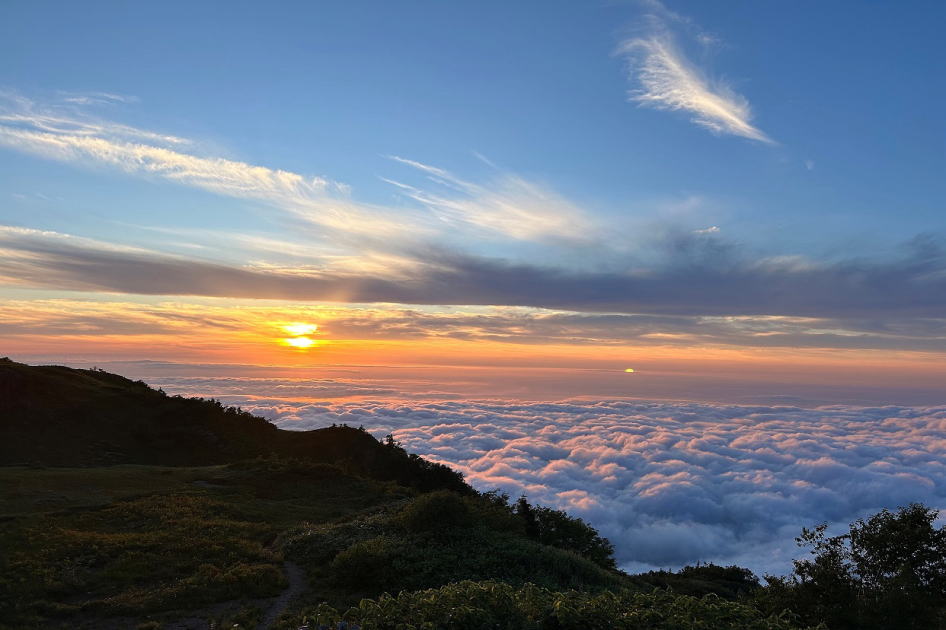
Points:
[(59, 416)]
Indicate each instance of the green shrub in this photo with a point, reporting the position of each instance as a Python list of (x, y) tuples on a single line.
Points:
[(393, 563), (436, 512)]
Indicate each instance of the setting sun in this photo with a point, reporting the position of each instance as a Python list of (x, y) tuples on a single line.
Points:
[(299, 342)]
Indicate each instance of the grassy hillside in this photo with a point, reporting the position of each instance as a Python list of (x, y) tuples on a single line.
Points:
[(122, 507)]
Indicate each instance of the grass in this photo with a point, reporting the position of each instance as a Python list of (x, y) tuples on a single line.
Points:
[(25, 491), (81, 544)]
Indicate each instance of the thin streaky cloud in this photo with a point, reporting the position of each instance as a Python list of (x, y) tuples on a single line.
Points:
[(20, 112), (65, 125), (510, 205), (97, 98), (315, 200), (432, 170), (663, 78)]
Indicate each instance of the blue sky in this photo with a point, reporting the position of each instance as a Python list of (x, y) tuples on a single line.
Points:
[(330, 89), (682, 159)]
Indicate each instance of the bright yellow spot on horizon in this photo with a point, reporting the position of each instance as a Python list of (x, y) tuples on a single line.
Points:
[(629, 370), (299, 329), (300, 332), (299, 342)]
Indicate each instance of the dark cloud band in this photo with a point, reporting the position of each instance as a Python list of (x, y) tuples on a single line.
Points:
[(713, 283)]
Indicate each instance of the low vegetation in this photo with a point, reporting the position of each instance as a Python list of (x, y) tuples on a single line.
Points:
[(500, 606), (155, 539), (434, 539)]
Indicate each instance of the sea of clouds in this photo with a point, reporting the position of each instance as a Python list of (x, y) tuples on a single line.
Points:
[(670, 483)]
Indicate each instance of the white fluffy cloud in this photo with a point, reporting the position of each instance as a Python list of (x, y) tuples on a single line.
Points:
[(669, 483)]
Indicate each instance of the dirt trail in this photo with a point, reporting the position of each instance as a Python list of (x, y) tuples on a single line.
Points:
[(297, 584)]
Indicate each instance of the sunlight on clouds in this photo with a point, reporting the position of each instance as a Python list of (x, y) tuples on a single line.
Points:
[(579, 354), (300, 338), (528, 330), (299, 329)]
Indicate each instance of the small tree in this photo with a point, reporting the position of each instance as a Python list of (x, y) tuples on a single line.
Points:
[(527, 514), (888, 571), (900, 563)]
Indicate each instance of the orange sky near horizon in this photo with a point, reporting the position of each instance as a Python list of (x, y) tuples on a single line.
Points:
[(455, 339)]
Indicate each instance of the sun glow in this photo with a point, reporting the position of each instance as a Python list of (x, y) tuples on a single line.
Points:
[(299, 342), (299, 329), (300, 332)]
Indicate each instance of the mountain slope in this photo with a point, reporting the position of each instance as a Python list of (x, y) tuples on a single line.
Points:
[(182, 513), (59, 416)]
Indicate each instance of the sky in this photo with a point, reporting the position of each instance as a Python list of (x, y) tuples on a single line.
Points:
[(417, 202)]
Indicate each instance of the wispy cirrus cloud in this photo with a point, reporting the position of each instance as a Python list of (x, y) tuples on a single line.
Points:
[(97, 98), (510, 205), (664, 78), (57, 135), (68, 115)]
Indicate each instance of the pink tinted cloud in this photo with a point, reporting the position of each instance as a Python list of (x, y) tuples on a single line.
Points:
[(670, 483)]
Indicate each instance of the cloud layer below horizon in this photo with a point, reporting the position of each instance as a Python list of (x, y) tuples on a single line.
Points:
[(674, 484)]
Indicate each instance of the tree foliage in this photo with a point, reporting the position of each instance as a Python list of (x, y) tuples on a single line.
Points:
[(557, 529), (886, 572)]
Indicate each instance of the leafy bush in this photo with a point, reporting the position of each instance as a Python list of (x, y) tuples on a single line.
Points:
[(316, 545), (727, 582), (477, 605), (393, 563), (434, 539), (436, 511)]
